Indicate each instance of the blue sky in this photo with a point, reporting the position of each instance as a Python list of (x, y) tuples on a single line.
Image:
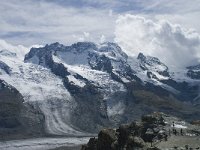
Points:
[(42, 21), (150, 26)]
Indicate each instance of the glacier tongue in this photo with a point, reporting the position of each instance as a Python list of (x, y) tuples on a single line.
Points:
[(39, 86), (57, 117), (34, 82)]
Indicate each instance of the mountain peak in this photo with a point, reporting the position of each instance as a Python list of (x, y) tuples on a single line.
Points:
[(6, 52), (55, 44), (149, 60), (195, 67), (84, 45), (141, 57), (153, 65), (194, 72)]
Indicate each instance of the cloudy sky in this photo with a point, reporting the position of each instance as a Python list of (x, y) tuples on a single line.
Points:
[(168, 29)]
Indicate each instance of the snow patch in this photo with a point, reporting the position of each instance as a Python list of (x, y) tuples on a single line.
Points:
[(180, 125), (73, 57), (76, 81), (117, 109)]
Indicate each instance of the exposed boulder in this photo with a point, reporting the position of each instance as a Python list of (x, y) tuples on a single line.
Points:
[(152, 127), (5, 67), (92, 144), (136, 135), (135, 142), (105, 139), (155, 118)]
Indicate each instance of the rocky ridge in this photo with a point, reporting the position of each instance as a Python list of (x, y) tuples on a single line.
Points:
[(154, 132)]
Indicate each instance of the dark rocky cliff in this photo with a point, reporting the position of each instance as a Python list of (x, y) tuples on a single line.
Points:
[(17, 119)]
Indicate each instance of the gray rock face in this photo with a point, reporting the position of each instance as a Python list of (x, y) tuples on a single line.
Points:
[(5, 67), (150, 63), (10, 106), (17, 119), (90, 114)]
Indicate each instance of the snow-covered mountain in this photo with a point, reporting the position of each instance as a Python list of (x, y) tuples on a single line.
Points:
[(40, 88), (177, 81), (86, 68), (84, 87), (194, 72)]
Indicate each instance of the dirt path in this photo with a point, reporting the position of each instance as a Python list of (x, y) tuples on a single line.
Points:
[(180, 142)]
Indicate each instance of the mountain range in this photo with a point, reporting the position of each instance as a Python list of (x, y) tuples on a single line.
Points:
[(79, 89)]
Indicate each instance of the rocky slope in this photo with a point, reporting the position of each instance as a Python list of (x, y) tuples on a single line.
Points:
[(84, 87), (154, 132), (16, 117)]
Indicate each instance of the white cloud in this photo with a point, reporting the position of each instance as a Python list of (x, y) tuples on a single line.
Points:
[(86, 34), (20, 50), (41, 22), (102, 39), (173, 44)]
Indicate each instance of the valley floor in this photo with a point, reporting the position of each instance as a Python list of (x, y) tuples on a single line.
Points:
[(72, 143), (180, 142)]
